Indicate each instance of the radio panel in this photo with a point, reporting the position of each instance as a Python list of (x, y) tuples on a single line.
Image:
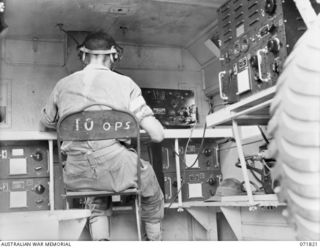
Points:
[(172, 107), (256, 37), (24, 194), (200, 174), (196, 185), (18, 161), (207, 160)]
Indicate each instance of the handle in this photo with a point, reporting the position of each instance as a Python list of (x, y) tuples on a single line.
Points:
[(259, 65), (216, 151), (170, 187), (168, 161), (38, 168), (39, 201), (222, 95)]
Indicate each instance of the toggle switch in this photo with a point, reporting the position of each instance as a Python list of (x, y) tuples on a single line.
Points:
[(208, 163), (175, 184)]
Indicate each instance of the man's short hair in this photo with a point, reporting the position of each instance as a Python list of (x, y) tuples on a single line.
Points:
[(99, 41)]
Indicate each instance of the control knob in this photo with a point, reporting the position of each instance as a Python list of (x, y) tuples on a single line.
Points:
[(37, 156), (254, 61), (39, 189), (207, 152), (211, 181), (273, 45), (270, 7), (273, 29), (244, 45)]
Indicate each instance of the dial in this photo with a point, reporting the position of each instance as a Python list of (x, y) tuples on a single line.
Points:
[(270, 7)]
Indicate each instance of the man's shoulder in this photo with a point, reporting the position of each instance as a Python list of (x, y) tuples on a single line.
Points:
[(122, 77), (72, 75), (69, 77)]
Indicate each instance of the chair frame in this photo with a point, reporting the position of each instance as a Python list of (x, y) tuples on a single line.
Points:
[(85, 135)]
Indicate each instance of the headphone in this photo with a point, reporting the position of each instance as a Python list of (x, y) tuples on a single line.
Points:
[(114, 53)]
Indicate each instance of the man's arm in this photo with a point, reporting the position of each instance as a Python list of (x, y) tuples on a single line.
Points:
[(49, 114), (153, 127), (145, 116)]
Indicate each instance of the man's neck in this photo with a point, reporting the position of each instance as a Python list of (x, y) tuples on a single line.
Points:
[(97, 66)]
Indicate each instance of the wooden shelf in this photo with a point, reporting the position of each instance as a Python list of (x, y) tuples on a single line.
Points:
[(27, 135), (253, 110), (233, 201), (169, 134)]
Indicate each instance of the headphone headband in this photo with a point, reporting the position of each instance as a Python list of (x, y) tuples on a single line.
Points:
[(112, 50)]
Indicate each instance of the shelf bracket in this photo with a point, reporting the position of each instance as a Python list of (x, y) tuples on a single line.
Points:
[(207, 217), (176, 148), (233, 216), (236, 134), (51, 176)]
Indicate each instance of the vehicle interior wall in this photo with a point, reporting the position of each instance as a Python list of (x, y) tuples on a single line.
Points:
[(34, 66), (162, 40)]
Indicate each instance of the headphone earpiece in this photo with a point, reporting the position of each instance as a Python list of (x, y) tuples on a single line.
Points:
[(114, 54)]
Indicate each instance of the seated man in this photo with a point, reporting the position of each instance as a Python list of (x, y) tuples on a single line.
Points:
[(106, 164)]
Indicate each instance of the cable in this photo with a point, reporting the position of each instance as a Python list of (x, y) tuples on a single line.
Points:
[(189, 138), (60, 26), (255, 176), (212, 106), (200, 148), (149, 153), (266, 164), (263, 135)]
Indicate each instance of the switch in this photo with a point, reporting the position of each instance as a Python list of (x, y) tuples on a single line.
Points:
[(244, 45), (276, 67), (273, 29), (237, 49), (208, 163)]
